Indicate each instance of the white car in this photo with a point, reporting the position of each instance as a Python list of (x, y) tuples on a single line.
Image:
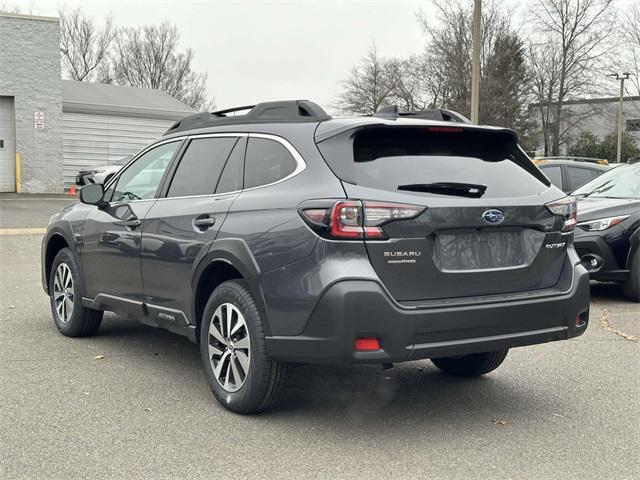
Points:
[(100, 173)]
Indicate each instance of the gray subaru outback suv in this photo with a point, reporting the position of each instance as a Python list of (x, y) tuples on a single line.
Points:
[(284, 235)]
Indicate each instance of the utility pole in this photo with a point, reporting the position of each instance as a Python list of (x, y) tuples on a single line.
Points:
[(475, 67), (621, 78)]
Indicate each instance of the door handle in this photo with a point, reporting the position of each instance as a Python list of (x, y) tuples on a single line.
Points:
[(204, 222), (133, 223)]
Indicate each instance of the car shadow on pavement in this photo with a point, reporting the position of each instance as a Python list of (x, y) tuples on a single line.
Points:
[(607, 292), (414, 392)]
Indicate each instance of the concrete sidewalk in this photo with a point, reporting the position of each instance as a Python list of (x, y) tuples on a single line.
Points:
[(28, 211)]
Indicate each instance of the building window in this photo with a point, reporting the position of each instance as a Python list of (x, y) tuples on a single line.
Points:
[(1, 144), (633, 125)]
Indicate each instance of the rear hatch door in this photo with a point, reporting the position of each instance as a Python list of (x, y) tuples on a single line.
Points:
[(485, 229)]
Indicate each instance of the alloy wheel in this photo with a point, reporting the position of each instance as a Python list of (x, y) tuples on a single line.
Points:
[(63, 293), (229, 347)]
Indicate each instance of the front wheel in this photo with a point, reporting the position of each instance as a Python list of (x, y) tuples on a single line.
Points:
[(239, 373), (472, 365), (71, 318)]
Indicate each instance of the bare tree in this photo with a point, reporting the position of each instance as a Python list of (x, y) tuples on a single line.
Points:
[(369, 85), (84, 46), (408, 82), (631, 41), (149, 57), (543, 61), (505, 77), (571, 40)]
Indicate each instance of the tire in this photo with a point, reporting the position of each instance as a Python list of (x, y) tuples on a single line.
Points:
[(239, 388), (631, 287), (472, 365), (69, 315)]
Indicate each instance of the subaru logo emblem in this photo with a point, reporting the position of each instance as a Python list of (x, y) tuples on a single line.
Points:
[(493, 216)]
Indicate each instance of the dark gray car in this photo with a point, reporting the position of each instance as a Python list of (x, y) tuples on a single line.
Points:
[(284, 235)]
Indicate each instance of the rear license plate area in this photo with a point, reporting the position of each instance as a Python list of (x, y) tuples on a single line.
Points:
[(486, 249)]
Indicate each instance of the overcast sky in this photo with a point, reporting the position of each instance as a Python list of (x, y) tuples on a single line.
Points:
[(258, 50), (266, 50)]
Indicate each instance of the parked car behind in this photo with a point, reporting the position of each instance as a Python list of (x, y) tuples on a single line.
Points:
[(568, 175), (608, 234), (285, 235), (101, 173)]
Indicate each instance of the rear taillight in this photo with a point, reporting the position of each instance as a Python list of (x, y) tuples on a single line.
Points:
[(346, 220), (355, 219), (566, 208)]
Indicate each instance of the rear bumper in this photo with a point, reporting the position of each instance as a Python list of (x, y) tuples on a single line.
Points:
[(361, 308)]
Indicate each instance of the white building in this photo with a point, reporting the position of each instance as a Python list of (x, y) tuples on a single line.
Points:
[(51, 128), (598, 116), (103, 123)]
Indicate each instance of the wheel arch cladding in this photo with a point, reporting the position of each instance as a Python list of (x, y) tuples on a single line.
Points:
[(55, 243), (214, 274)]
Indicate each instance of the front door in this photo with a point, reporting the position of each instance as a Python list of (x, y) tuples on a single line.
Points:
[(181, 226), (111, 235)]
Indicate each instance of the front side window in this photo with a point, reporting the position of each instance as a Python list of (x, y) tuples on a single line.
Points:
[(141, 179), (267, 161), (200, 166)]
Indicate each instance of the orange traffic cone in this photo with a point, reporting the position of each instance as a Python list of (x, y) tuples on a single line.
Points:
[(72, 190)]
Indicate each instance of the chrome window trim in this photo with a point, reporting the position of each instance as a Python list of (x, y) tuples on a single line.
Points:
[(301, 165), (199, 196)]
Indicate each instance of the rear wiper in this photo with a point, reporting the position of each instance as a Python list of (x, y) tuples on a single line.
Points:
[(470, 190)]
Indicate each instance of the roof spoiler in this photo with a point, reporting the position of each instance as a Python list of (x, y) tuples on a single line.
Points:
[(391, 111)]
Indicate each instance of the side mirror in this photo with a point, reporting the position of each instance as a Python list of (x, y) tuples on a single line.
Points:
[(92, 194)]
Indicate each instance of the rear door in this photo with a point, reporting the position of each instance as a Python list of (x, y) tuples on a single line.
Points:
[(485, 229), (182, 224)]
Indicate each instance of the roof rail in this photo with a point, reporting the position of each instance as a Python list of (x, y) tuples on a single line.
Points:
[(286, 111), (601, 161), (391, 111)]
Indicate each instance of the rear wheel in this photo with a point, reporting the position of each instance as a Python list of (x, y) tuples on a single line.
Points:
[(472, 365), (239, 373), (70, 316), (631, 287)]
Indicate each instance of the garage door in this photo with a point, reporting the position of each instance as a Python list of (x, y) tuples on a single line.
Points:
[(7, 146), (91, 140)]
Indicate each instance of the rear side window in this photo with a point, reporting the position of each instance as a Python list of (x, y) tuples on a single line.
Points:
[(267, 161), (200, 166), (576, 177), (388, 158)]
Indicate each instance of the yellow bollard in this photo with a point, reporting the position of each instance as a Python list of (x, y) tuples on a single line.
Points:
[(18, 182)]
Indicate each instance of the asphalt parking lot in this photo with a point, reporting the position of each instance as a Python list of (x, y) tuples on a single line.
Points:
[(132, 402)]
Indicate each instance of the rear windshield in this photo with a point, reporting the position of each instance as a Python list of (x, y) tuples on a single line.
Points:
[(389, 158)]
